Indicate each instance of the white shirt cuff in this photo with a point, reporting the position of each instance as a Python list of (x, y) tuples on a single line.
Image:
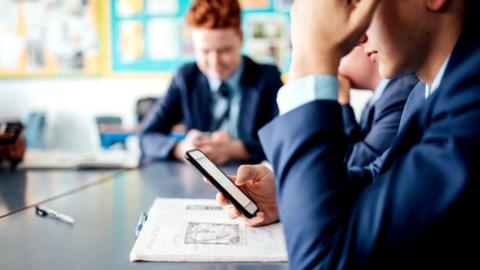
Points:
[(302, 91)]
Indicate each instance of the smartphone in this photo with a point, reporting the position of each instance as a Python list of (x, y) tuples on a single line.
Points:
[(221, 181), (10, 132)]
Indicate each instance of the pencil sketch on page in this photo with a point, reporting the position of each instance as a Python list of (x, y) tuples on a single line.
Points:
[(212, 233)]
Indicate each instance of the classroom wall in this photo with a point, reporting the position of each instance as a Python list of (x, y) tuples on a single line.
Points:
[(70, 102), (71, 105)]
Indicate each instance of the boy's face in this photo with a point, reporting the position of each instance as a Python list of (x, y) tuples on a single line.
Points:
[(217, 51), (397, 39)]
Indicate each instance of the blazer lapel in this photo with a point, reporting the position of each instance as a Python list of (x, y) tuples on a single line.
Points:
[(201, 104), (410, 133), (249, 101), (367, 116)]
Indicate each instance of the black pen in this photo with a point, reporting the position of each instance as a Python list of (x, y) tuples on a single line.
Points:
[(44, 211)]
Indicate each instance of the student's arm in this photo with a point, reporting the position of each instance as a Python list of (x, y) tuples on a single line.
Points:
[(340, 228), (155, 142), (351, 126), (384, 128)]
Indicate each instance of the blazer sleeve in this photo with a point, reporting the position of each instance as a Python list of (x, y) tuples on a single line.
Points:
[(368, 145), (380, 137), (351, 126), (341, 228), (268, 108), (155, 142)]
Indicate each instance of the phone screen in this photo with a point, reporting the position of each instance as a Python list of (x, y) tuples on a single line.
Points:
[(215, 174)]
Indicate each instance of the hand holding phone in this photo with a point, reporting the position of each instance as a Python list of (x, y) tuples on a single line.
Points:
[(221, 181)]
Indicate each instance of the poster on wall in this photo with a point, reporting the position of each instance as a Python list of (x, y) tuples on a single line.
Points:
[(131, 41), (155, 7), (164, 39), (160, 40), (268, 38), (127, 8), (44, 37)]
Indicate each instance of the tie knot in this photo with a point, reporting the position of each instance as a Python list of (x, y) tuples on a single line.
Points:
[(224, 90)]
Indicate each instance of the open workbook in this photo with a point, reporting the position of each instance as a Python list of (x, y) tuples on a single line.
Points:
[(194, 230)]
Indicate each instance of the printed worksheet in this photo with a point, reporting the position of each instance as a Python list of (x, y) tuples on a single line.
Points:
[(193, 230)]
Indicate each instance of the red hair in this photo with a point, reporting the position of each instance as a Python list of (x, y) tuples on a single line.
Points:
[(214, 14)]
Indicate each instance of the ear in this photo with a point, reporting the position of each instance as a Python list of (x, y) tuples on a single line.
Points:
[(437, 5)]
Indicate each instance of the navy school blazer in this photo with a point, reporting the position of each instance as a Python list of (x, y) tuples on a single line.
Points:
[(189, 101), (379, 122), (420, 210)]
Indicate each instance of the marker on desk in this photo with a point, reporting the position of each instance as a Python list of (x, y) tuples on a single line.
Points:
[(141, 221), (44, 211)]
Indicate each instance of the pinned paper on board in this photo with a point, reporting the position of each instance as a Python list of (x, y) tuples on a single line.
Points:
[(268, 38), (131, 41), (8, 15), (127, 8), (45, 37), (15, 46), (162, 7), (163, 39)]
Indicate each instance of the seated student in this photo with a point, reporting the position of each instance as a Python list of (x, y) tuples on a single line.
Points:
[(419, 209), (11, 151), (380, 119), (222, 93)]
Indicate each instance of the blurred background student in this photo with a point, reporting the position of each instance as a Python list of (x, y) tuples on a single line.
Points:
[(12, 145), (222, 99), (380, 119)]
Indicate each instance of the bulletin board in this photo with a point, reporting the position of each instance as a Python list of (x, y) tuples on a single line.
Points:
[(107, 37), (49, 38), (151, 35)]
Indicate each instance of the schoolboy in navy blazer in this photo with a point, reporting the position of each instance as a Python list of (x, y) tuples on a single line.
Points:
[(229, 96), (416, 213), (189, 101), (420, 210)]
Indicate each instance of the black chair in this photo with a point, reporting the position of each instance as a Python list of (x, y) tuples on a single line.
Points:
[(144, 106), (110, 130)]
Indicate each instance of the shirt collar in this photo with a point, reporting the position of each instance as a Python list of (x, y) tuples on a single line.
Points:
[(377, 93), (429, 89), (233, 81)]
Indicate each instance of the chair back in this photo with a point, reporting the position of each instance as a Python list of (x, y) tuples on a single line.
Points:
[(144, 106), (110, 130)]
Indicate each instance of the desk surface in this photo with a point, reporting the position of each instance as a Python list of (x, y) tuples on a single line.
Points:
[(105, 215), (22, 189)]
